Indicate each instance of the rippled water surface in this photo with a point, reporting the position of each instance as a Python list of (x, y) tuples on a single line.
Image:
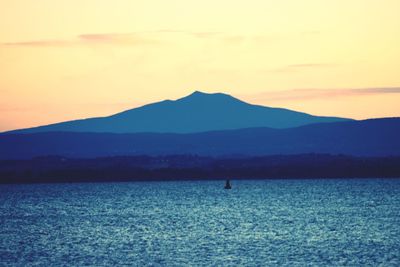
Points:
[(292, 222)]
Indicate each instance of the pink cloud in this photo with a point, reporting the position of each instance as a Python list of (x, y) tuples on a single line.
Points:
[(308, 94), (89, 39), (40, 43)]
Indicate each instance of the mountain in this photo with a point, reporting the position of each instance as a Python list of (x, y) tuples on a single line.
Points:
[(377, 137), (198, 112)]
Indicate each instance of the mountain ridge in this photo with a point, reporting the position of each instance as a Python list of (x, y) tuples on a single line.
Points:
[(374, 137), (197, 112)]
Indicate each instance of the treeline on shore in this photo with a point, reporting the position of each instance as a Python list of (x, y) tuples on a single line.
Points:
[(189, 167)]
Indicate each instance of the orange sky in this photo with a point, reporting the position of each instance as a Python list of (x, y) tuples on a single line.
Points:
[(69, 59)]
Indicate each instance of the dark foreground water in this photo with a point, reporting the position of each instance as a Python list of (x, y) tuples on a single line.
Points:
[(296, 222)]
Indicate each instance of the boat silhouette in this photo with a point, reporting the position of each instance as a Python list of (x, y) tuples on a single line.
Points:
[(227, 184)]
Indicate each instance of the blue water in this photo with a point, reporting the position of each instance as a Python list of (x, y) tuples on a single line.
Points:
[(292, 222)]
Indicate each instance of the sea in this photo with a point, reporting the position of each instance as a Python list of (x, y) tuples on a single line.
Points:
[(319, 222)]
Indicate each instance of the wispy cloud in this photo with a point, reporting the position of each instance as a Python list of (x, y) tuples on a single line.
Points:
[(199, 34), (89, 39), (40, 43), (309, 94), (133, 38), (308, 65), (111, 107), (302, 67), (148, 37)]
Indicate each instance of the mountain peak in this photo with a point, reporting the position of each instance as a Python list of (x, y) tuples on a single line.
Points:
[(198, 95)]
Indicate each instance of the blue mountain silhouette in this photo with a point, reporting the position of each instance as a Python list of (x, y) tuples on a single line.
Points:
[(377, 137), (198, 112)]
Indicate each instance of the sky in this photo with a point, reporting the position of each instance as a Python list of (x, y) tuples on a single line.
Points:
[(69, 59)]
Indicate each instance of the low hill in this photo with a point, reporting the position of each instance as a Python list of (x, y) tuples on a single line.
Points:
[(376, 137)]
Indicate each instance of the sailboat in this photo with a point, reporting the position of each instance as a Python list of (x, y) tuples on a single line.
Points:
[(227, 184)]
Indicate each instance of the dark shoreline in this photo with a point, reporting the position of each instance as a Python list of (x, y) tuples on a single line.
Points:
[(54, 169), (222, 180)]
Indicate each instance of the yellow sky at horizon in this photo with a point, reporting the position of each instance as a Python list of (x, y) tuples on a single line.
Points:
[(62, 60)]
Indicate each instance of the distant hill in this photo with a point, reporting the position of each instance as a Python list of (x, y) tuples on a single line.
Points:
[(198, 112), (376, 137)]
